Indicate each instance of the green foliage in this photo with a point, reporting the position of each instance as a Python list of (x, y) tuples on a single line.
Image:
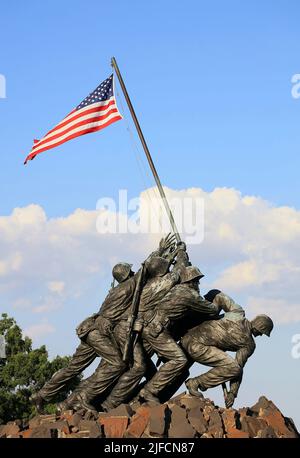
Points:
[(23, 372)]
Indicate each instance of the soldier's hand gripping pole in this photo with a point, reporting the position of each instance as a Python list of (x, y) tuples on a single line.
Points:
[(225, 391), (132, 334), (228, 396)]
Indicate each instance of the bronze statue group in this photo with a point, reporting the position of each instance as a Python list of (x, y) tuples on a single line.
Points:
[(157, 311)]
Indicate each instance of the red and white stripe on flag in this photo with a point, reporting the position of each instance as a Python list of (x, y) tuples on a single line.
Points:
[(96, 112)]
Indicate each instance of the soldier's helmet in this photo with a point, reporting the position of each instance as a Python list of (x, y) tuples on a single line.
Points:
[(191, 273), (157, 266), (263, 324), (211, 294), (121, 271)]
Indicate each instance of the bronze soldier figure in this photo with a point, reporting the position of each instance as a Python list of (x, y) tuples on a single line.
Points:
[(156, 334), (95, 334), (115, 310), (159, 282), (207, 344)]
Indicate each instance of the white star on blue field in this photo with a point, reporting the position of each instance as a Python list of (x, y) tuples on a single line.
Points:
[(102, 92)]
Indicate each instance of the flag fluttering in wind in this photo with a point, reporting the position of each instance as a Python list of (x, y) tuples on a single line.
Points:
[(96, 111)]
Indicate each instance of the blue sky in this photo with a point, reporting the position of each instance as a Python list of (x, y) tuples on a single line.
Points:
[(211, 84), (219, 73)]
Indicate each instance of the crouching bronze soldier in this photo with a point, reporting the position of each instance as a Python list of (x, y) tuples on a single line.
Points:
[(207, 344), (96, 340)]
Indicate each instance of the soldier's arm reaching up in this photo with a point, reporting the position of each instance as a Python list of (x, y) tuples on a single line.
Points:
[(166, 245), (241, 357)]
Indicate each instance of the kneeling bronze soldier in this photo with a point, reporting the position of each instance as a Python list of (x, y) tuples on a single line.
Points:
[(208, 343)]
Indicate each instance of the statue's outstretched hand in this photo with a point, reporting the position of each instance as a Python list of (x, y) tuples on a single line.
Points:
[(167, 243), (229, 400)]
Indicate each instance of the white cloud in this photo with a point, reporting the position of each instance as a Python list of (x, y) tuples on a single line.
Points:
[(280, 309), (36, 331), (247, 274), (12, 263), (251, 249), (56, 286), (49, 303), (21, 304)]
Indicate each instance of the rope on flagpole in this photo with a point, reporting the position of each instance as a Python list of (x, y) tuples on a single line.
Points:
[(147, 152), (138, 157)]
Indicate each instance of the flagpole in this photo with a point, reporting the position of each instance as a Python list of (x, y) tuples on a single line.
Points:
[(146, 149)]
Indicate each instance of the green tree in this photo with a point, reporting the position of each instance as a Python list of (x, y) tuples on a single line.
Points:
[(23, 372)]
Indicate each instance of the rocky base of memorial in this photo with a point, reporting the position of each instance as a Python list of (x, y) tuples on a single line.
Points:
[(183, 416)]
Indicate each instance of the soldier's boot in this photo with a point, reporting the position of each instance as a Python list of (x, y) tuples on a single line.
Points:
[(107, 406), (61, 407), (81, 402), (67, 404), (193, 386), (38, 401), (148, 396), (135, 402)]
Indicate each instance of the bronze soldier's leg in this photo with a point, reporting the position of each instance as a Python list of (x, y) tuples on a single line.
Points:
[(225, 367), (129, 381), (149, 352), (95, 344), (104, 345), (106, 374), (166, 348), (171, 389), (148, 348), (82, 358)]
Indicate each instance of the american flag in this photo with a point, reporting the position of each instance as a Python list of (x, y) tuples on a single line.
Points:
[(96, 111)]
